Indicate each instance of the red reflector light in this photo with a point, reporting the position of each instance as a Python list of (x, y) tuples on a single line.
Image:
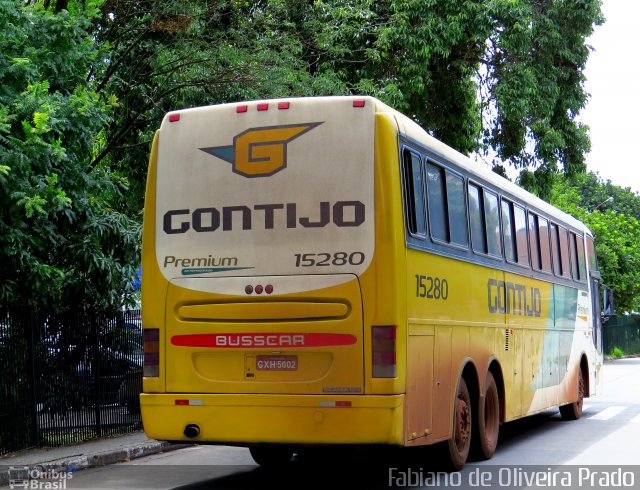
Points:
[(182, 402), (259, 289), (174, 117), (151, 360), (268, 289), (242, 108), (383, 352), (358, 103), (335, 404), (263, 107), (283, 105), (248, 289)]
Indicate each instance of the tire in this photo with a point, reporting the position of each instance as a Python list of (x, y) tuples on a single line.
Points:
[(271, 455), (488, 420), (573, 411), (460, 443)]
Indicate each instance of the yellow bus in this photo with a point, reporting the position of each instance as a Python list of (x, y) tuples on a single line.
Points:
[(321, 271)]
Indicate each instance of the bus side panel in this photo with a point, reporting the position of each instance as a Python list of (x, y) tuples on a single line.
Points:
[(383, 285), (420, 351), (154, 285), (455, 302)]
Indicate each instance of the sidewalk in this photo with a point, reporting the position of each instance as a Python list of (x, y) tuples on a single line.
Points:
[(88, 454)]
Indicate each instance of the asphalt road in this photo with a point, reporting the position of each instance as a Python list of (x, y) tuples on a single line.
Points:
[(542, 451)]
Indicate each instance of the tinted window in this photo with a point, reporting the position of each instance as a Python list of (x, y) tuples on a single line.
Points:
[(457, 209), (582, 271), (414, 198), (564, 251), (539, 241), (533, 241), (545, 252), (591, 254), (492, 221), (555, 250), (476, 218), (508, 231), (577, 257), (437, 202), (522, 245)]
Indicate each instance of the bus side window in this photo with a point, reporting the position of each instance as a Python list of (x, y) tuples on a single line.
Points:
[(508, 231), (447, 207), (564, 252), (492, 221), (436, 194), (539, 238), (457, 210), (484, 215), (476, 217), (522, 244), (545, 250), (577, 257), (555, 250), (591, 254), (582, 270), (534, 241), (414, 194)]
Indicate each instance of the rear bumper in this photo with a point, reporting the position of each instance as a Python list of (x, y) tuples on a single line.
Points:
[(289, 419)]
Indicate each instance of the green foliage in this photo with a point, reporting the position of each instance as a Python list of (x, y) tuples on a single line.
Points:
[(617, 353), (616, 227), (503, 76), (61, 242), (84, 84)]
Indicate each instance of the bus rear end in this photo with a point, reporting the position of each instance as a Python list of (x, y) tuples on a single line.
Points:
[(259, 226)]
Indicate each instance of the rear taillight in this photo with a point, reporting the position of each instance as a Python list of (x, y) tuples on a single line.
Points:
[(151, 367), (383, 353)]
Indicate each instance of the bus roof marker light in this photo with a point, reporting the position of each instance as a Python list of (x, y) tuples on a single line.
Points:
[(248, 289), (263, 107), (283, 105), (259, 289), (268, 289), (242, 108), (174, 117), (358, 103)]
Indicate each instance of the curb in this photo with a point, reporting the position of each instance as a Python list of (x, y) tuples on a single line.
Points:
[(76, 463)]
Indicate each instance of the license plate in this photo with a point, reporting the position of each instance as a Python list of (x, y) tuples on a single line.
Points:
[(276, 363)]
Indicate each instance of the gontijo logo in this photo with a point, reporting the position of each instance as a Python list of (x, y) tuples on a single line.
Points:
[(260, 152)]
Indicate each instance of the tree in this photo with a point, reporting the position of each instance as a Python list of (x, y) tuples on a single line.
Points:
[(62, 243), (86, 83), (616, 229), (503, 77), (163, 56)]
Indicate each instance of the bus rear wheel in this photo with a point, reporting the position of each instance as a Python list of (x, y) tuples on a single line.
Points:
[(458, 446), (488, 419), (573, 411), (271, 455)]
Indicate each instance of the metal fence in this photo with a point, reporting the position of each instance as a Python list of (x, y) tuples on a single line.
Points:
[(621, 335), (68, 378)]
